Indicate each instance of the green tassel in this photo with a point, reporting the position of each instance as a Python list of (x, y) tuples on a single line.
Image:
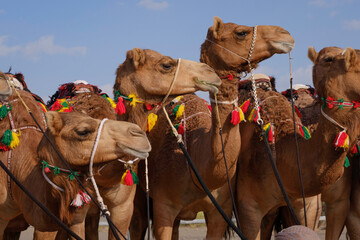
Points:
[(4, 109), (174, 111), (56, 170), (341, 106), (347, 162), (307, 135), (7, 138), (135, 178)]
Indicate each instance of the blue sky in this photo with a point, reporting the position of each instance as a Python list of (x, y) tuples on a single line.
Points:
[(54, 42)]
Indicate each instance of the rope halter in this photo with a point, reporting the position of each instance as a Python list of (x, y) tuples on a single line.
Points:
[(91, 176), (172, 83)]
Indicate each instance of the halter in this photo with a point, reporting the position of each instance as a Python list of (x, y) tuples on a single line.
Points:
[(91, 176)]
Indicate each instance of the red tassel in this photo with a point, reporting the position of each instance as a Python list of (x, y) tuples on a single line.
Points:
[(245, 105), (270, 135), (148, 106), (180, 130), (342, 140), (235, 117), (297, 111), (120, 108), (4, 148), (128, 180), (46, 169), (354, 149)]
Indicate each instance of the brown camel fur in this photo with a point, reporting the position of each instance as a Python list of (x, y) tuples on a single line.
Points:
[(142, 70), (334, 74), (70, 131), (308, 109), (167, 164), (337, 197)]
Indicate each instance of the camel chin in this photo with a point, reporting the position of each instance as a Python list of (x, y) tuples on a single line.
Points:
[(206, 86), (136, 153), (283, 47)]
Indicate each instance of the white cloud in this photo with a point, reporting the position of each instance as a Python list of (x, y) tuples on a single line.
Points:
[(352, 25), (45, 45), (152, 5), (6, 50)]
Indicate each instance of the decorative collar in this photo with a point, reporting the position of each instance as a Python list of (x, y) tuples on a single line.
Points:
[(340, 103)]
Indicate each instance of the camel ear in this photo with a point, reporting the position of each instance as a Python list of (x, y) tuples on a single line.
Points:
[(312, 54), (218, 27), (350, 57), (54, 122), (137, 56)]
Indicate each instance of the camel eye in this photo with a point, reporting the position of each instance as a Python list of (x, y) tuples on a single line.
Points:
[(166, 66), (328, 59), (241, 34), (83, 131)]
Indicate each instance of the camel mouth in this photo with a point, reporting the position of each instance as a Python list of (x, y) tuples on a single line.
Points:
[(283, 47), (136, 152), (207, 86)]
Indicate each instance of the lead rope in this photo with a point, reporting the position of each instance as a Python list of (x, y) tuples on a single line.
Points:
[(147, 190), (296, 142)]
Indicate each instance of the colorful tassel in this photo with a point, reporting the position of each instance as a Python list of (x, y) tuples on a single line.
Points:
[(180, 111), (120, 107), (111, 102), (152, 118), (177, 99), (269, 132), (134, 176), (347, 162), (43, 108), (304, 131), (354, 150), (237, 116), (80, 200), (342, 140), (4, 109), (180, 128), (245, 105), (297, 111), (10, 139), (134, 100), (127, 178), (254, 115)]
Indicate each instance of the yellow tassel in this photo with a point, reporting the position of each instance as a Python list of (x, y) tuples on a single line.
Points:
[(241, 115), (152, 118), (111, 102), (15, 140), (123, 177), (177, 99), (180, 111), (134, 100), (251, 114)]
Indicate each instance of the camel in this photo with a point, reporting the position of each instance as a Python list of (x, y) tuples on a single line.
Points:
[(334, 72), (166, 162), (338, 196), (27, 161), (150, 68)]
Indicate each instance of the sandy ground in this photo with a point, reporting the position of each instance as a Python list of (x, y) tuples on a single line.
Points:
[(193, 232)]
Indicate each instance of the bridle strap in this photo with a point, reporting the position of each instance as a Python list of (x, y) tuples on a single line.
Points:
[(332, 120), (91, 176), (172, 83)]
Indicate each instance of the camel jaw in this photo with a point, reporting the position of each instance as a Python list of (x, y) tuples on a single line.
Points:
[(283, 47), (207, 86)]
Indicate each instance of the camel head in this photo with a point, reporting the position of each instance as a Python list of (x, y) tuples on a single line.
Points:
[(228, 45), (149, 74), (336, 72), (5, 89), (74, 135)]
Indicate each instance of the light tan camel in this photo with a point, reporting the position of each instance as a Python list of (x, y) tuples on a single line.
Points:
[(68, 130), (334, 75), (175, 192)]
